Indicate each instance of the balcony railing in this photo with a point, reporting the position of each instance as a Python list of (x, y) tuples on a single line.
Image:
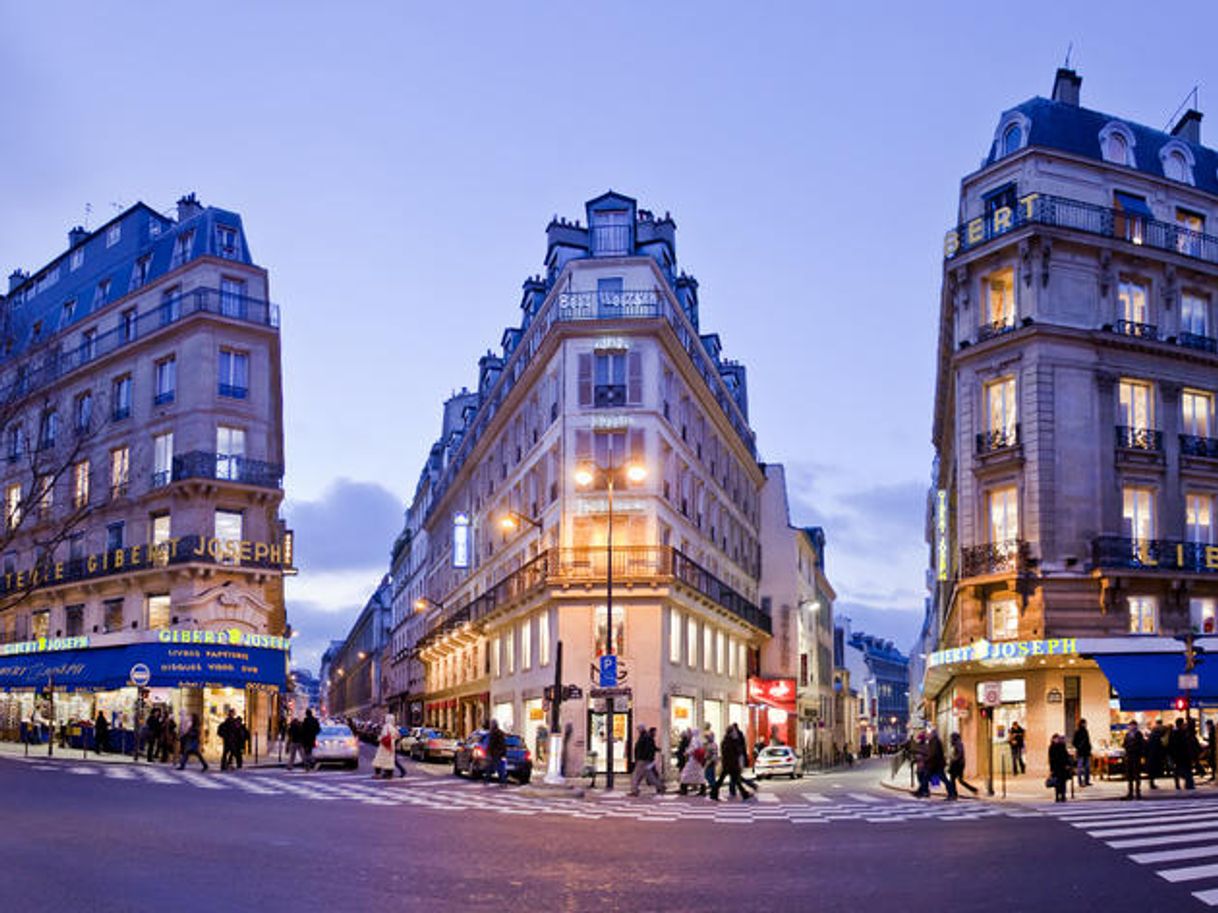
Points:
[(1003, 557), (997, 439), (994, 328), (1198, 341), (199, 464), (1196, 445), (1154, 555), (1147, 439), (1060, 212), (46, 366), (1140, 330)]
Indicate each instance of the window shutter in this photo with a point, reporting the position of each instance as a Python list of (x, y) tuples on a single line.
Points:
[(634, 378), (585, 379)]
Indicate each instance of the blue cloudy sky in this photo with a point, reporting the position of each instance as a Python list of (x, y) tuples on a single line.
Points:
[(397, 163)]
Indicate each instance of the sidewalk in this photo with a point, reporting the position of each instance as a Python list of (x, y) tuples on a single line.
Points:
[(76, 755), (1031, 788)]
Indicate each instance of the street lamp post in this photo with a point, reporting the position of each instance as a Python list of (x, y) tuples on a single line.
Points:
[(585, 476)]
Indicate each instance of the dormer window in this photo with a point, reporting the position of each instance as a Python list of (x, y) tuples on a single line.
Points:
[(139, 275), (1012, 134), (114, 235), (226, 242), (1012, 139), (611, 233), (182, 248), (1177, 161), (1116, 144)]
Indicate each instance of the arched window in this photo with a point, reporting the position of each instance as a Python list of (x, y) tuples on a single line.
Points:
[(1175, 167), (1012, 139), (1116, 149), (1177, 160)]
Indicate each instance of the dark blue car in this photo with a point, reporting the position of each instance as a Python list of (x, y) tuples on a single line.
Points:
[(473, 759)]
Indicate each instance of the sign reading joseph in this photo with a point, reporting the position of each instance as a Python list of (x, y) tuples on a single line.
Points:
[(1009, 649)]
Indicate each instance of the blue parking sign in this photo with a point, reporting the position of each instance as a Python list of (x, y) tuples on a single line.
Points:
[(608, 677)]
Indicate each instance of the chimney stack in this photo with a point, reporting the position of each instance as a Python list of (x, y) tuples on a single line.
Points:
[(76, 235), (188, 207), (15, 278), (1066, 85), (1188, 127)]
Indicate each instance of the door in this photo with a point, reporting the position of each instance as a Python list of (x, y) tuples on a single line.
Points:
[(623, 740)]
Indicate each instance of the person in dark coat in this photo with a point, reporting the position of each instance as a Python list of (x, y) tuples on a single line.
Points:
[(1212, 746), (1180, 750), (309, 728), (169, 739), (101, 734), (190, 743), (1156, 752), (155, 725), (229, 734), (956, 763), (1059, 766), (1082, 748), (1135, 747), (496, 750), (682, 749), (1015, 737), (733, 753), (644, 763), (936, 764)]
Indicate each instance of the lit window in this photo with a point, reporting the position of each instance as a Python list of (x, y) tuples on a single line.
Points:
[(1190, 235), (1004, 515), (40, 624), (162, 460), (230, 451), (160, 528), (526, 644), (1138, 514), (12, 505), (1136, 405), (674, 636), (113, 615), (708, 647), (80, 484), (496, 647), (120, 470), (691, 642), (158, 611), (1132, 298), (543, 639), (619, 629), (1203, 615), (720, 644), (1000, 300), (1004, 619), (1199, 518), (509, 649), (1143, 615), (1001, 413)]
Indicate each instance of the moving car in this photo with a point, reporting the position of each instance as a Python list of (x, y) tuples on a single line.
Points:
[(433, 745), (337, 744), (407, 736), (777, 760), (472, 758)]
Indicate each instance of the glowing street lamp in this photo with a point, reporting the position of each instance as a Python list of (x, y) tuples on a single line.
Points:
[(512, 521)]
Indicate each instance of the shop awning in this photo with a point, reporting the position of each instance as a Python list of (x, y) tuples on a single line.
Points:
[(1150, 681), (169, 666)]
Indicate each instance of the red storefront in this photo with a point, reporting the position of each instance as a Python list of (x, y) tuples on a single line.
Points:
[(772, 715)]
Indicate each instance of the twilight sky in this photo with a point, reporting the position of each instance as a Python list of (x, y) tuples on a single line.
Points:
[(396, 165)]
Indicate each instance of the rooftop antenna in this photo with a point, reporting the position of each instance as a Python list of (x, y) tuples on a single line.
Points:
[(1069, 50), (1192, 99), (88, 214)]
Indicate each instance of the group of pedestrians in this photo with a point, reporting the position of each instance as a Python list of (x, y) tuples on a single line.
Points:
[(703, 763), (933, 764), (302, 739), (1176, 747)]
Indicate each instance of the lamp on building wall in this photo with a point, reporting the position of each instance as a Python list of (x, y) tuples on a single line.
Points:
[(512, 521), (422, 604), (585, 476)]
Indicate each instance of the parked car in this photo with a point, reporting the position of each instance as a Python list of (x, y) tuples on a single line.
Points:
[(337, 744), (433, 745), (777, 760), (407, 736), (472, 758)]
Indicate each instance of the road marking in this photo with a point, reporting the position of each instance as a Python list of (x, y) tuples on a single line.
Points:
[(120, 773), (1194, 852), (768, 798), (816, 798), (863, 797), (1209, 897), (1193, 824), (1119, 821), (197, 779), (1189, 873), (1157, 841), (82, 770)]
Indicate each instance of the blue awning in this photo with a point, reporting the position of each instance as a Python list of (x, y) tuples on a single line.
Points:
[(1136, 206), (1149, 681), (169, 665)]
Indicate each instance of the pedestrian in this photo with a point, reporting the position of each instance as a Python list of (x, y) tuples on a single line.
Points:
[(153, 742), (936, 765), (384, 762), (1212, 744), (1082, 750), (682, 749), (229, 734), (733, 752), (101, 734), (295, 749), (1180, 750), (1015, 738), (190, 744), (496, 750), (1059, 766), (956, 763), (710, 768), (657, 765), (169, 740), (644, 763), (1135, 747), (693, 771), (309, 729), (1156, 752)]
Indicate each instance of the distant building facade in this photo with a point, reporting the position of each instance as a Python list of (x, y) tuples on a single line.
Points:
[(358, 679)]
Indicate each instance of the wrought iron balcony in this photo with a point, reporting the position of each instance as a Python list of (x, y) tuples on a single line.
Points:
[(1154, 555), (1003, 557), (1195, 445), (199, 464), (998, 439), (1140, 330), (1197, 341), (1147, 439), (995, 328)]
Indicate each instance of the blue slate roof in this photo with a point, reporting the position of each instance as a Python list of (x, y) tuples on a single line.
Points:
[(1074, 129), (39, 299)]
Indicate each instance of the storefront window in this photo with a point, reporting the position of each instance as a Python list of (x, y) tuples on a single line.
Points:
[(712, 714), (502, 714), (1143, 615), (682, 716), (1004, 619), (1203, 615)]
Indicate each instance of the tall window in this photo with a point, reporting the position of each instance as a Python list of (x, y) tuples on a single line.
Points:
[(120, 471), (691, 642), (1001, 413), (611, 232), (1012, 138), (112, 615), (126, 325), (40, 624), (166, 377), (543, 638), (509, 649), (80, 484), (88, 344), (229, 525), (48, 429), (1194, 317), (708, 647), (234, 371), (12, 505), (121, 396), (1203, 615), (46, 494), (115, 533), (496, 651), (1136, 405), (82, 412), (1004, 514), (1138, 513), (183, 247), (1133, 301), (1000, 300), (610, 379), (1004, 619), (1192, 226), (526, 644), (74, 620), (230, 448), (141, 272), (171, 305), (158, 611), (1143, 615), (720, 649), (674, 636), (232, 297), (160, 528), (16, 442), (1199, 518), (101, 294), (162, 467)]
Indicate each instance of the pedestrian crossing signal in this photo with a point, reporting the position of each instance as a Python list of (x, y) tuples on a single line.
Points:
[(1182, 704)]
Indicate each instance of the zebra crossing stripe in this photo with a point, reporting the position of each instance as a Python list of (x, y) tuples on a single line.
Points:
[(1209, 897), (197, 779), (120, 773), (816, 798), (1157, 841), (864, 797), (1193, 852), (1209, 822), (1189, 873)]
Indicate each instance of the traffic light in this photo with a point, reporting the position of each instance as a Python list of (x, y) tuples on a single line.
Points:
[(1182, 704)]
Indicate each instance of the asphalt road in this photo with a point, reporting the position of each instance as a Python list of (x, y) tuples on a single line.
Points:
[(78, 839)]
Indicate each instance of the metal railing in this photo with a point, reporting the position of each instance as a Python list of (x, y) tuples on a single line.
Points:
[(1140, 330), (1198, 341), (1002, 557), (199, 464), (997, 439), (45, 366), (1196, 445), (995, 328), (1148, 439), (1154, 554)]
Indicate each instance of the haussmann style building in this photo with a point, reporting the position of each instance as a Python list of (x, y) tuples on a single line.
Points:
[(1073, 515)]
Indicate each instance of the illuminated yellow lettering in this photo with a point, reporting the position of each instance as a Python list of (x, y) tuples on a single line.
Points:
[(164, 635), (1026, 203), (246, 550), (59, 570), (201, 547), (137, 552), (1179, 554), (951, 244), (1069, 645), (213, 548), (1002, 219), (1211, 557), (1053, 646), (260, 551), (273, 554), (976, 231), (209, 637), (119, 558), (1038, 648), (231, 548), (21, 580)]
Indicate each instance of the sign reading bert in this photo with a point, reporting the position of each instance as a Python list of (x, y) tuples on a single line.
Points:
[(773, 692)]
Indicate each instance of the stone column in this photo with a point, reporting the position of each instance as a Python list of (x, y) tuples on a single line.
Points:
[(1109, 494), (1171, 508)]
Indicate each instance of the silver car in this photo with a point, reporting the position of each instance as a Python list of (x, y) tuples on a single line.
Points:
[(777, 760), (337, 744)]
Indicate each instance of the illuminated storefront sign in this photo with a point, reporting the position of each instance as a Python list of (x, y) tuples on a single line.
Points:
[(44, 645), (773, 692), (941, 533), (982, 228), (225, 637), (460, 540), (1010, 649)]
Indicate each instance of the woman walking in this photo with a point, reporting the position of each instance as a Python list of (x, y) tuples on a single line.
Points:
[(1059, 766), (190, 744), (711, 768), (956, 762), (692, 774), (385, 760)]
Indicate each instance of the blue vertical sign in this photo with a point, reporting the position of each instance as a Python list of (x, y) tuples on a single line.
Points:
[(608, 671)]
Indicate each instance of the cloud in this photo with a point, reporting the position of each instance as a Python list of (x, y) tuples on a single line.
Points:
[(901, 626), (318, 625), (352, 525)]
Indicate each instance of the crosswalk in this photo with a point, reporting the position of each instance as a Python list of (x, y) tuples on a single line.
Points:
[(449, 794), (1177, 840)]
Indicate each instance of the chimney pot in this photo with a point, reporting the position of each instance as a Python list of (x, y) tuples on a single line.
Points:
[(1188, 127), (1066, 85), (188, 207), (15, 278), (76, 236)]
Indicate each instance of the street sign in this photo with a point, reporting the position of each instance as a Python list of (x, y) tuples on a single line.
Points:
[(141, 675), (991, 693), (1188, 681), (610, 692), (608, 671), (572, 692)]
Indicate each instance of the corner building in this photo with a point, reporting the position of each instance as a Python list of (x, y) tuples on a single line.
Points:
[(608, 366), (141, 384), (1077, 461)]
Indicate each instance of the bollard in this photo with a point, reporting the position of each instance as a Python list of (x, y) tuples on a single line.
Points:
[(255, 748)]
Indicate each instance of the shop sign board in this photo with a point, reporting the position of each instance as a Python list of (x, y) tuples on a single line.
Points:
[(772, 692), (1188, 681), (608, 671), (140, 674), (1008, 649), (991, 693), (1054, 696), (610, 692), (941, 558)]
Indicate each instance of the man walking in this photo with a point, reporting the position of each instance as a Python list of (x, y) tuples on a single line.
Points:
[(644, 763), (154, 733), (1082, 749), (1180, 750), (309, 728), (190, 744), (1016, 740), (496, 750), (295, 750), (1134, 745), (1156, 748), (227, 731), (936, 764), (732, 754)]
